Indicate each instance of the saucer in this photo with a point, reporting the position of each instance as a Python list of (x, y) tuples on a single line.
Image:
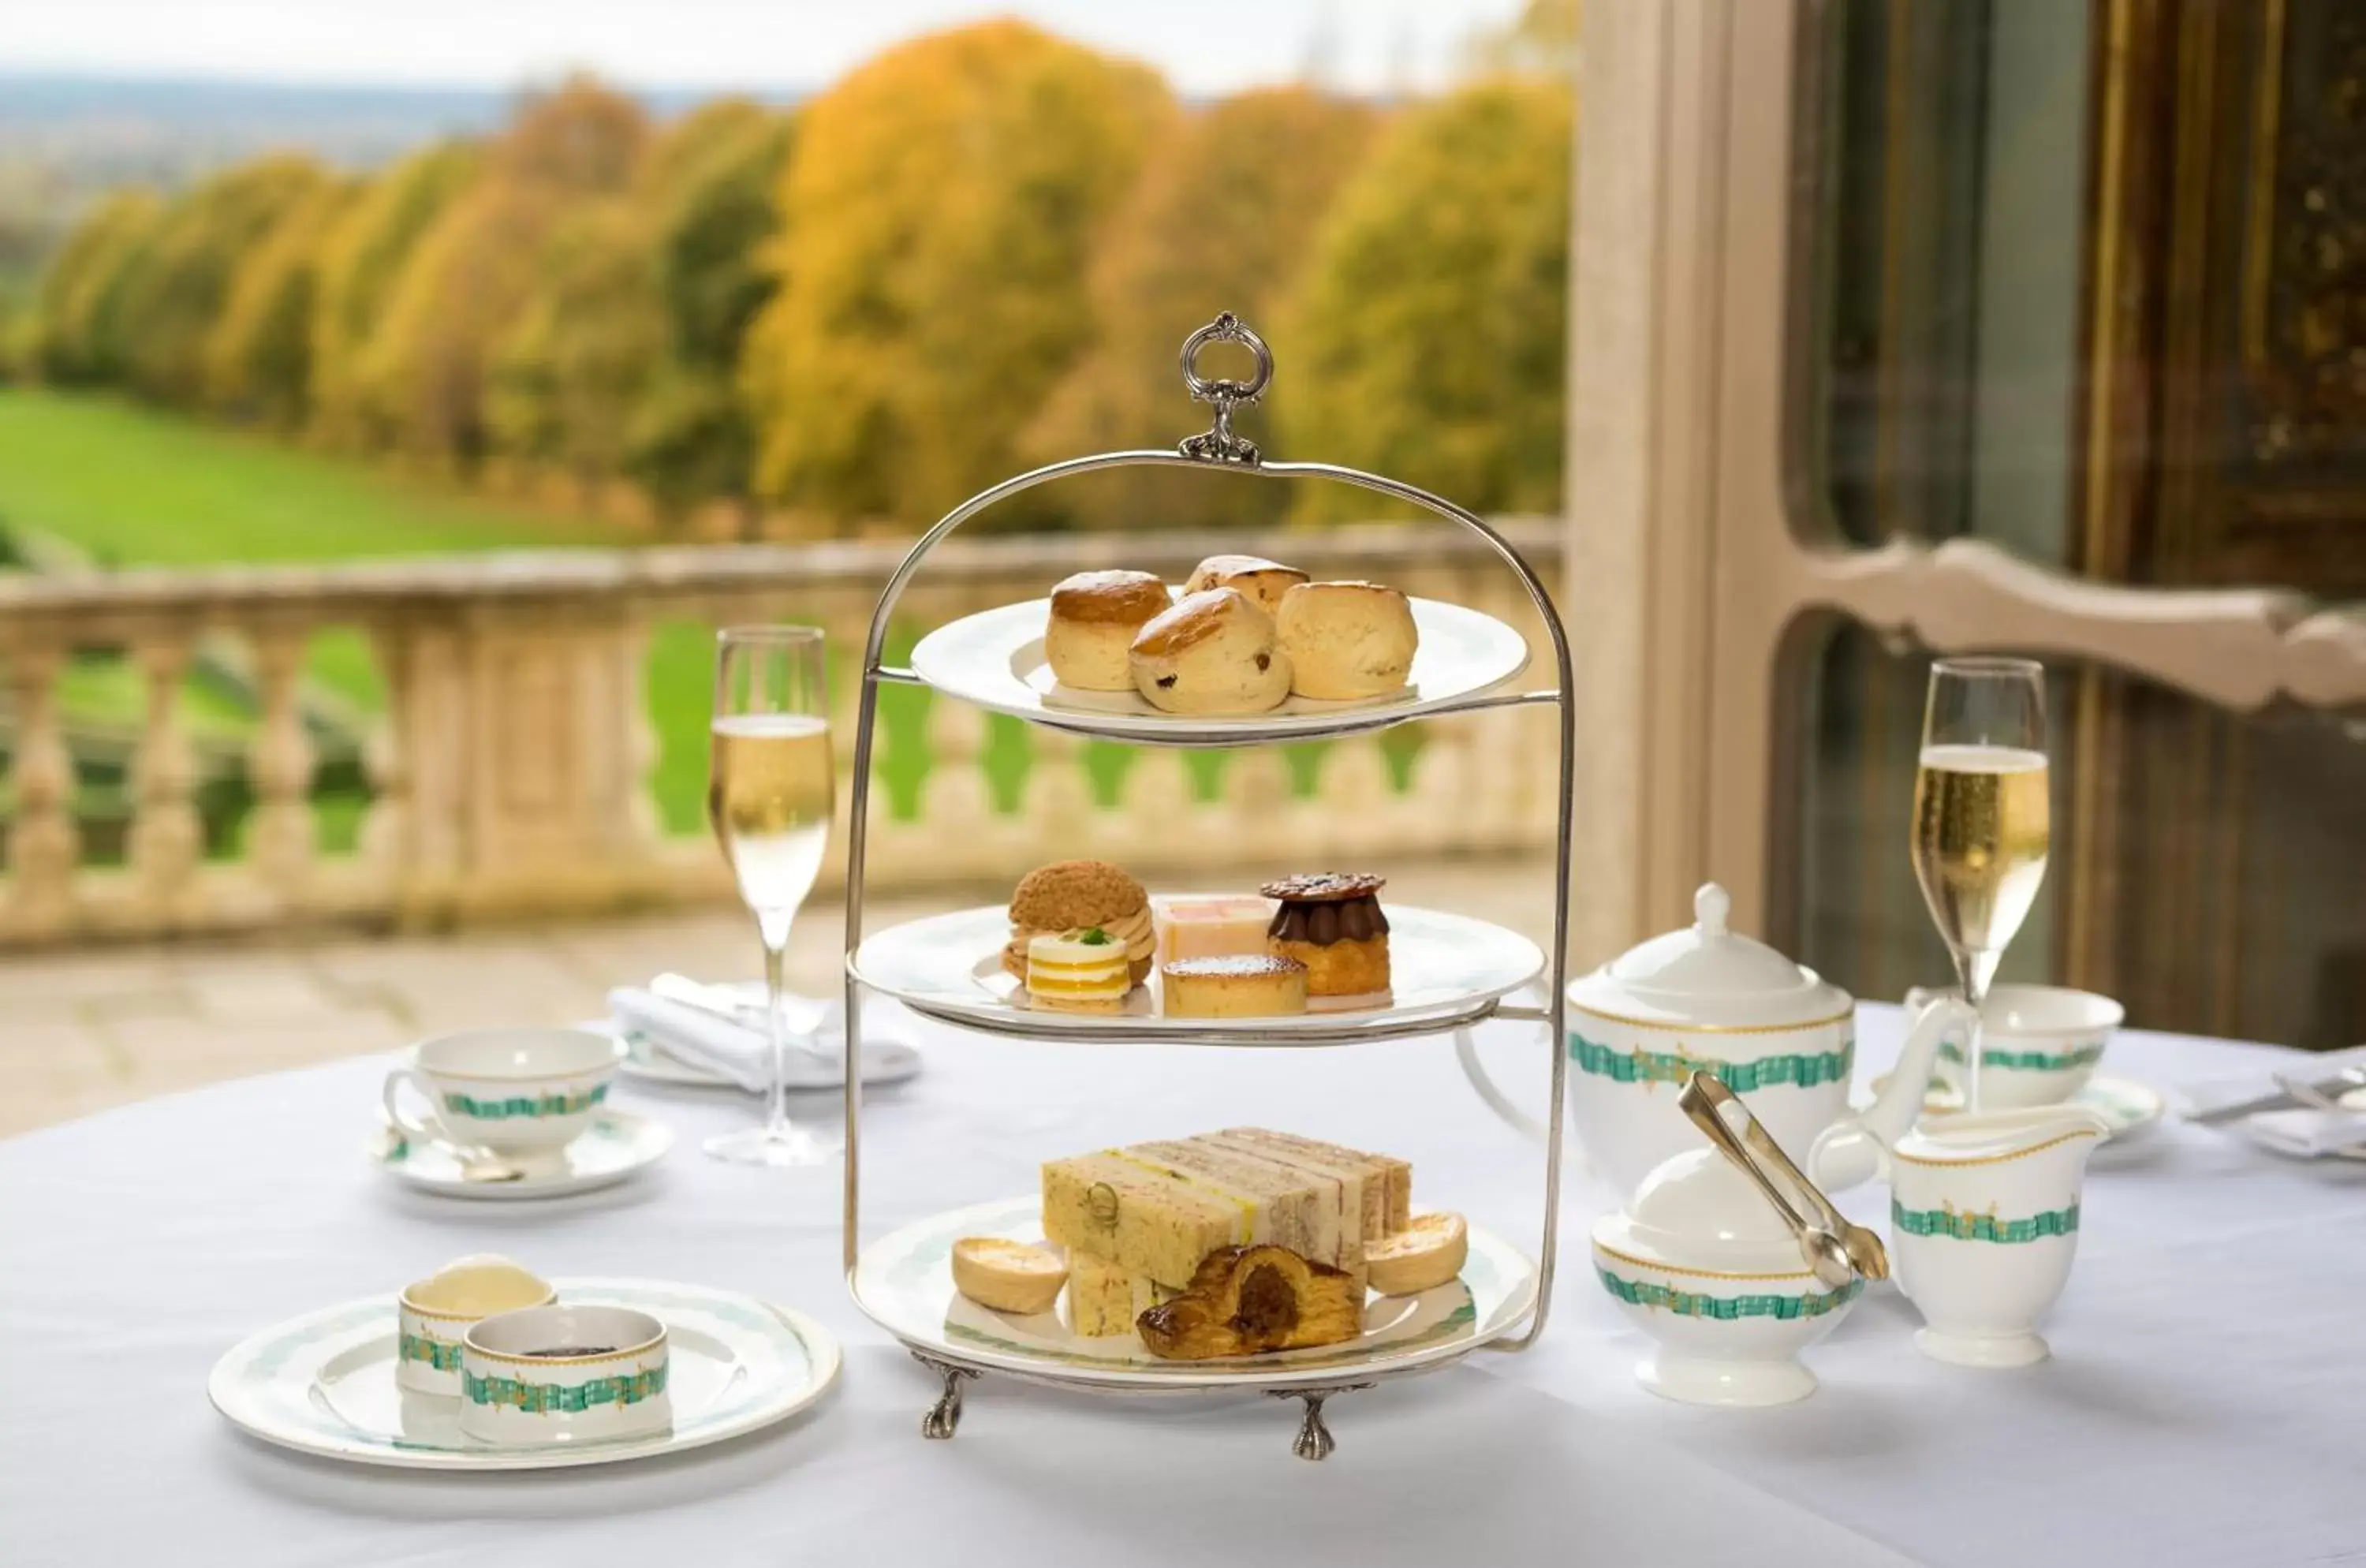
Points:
[(2127, 1107), (616, 1145)]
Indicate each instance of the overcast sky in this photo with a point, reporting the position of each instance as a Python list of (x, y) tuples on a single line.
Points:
[(1203, 46)]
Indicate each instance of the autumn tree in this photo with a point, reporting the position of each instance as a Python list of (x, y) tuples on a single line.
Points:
[(362, 253), (259, 356), (74, 340), (472, 273), (569, 376), (1429, 329), (175, 287), (1221, 220), (938, 216), (711, 181)]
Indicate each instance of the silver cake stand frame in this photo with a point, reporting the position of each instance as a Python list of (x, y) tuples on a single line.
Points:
[(1219, 448)]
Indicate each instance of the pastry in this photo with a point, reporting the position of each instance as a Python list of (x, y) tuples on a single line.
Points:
[(1210, 928), (1332, 923), (1346, 639), (1093, 617), (1239, 986), (1075, 896), (1383, 1183), (1244, 1301), (1213, 653), (1104, 1298), (1082, 971), (1420, 1258), (1008, 1276), (1263, 580)]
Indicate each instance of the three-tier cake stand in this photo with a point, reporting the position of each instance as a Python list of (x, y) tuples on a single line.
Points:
[(1514, 1315)]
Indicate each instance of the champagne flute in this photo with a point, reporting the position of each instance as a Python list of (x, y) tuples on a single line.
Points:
[(1981, 818), (770, 788)]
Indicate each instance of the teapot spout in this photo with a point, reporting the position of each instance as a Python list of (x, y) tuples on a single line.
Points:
[(1854, 1150)]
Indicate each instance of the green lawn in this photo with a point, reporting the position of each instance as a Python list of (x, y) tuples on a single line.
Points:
[(138, 488)]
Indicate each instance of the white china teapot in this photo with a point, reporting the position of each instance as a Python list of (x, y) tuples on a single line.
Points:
[(1707, 998)]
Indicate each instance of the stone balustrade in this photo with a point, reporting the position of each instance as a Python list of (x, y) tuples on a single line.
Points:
[(509, 763)]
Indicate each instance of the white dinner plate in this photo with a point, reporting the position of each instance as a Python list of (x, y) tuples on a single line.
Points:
[(1445, 970), (616, 1146), (904, 1283), (995, 659), (323, 1383)]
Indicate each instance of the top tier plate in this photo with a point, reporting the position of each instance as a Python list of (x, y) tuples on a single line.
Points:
[(995, 659)]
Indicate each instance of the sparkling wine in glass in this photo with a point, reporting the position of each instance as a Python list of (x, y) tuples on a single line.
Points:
[(770, 788), (1982, 822)]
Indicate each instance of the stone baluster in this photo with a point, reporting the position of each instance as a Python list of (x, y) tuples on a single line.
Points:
[(959, 834), (280, 849), (1355, 813), (1057, 805), (43, 842), (1258, 820), (166, 839), (1156, 812), (1436, 810)]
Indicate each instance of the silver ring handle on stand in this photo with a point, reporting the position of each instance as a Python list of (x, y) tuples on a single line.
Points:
[(1466, 1053), (1220, 450)]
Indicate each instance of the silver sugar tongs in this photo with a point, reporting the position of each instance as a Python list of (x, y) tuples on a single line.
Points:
[(1837, 1249)]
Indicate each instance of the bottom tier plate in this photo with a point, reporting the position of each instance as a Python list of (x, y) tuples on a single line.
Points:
[(904, 1283), (323, 1383)]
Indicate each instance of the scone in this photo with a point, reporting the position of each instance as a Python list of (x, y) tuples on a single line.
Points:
[(1213, 653), (1346, 639), (1263, 580), (1332, 923), (1075, 896), (1093, 617)]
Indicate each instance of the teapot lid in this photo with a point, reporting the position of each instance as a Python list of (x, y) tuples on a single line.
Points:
[(1707, 974)]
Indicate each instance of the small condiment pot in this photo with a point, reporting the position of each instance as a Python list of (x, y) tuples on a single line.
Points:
[(565, 1375), (434, 1314), (1984, 1224)]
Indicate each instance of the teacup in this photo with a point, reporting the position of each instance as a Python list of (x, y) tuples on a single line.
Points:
[(513, 1091), (435, 1314), (2039, 1044), (558, 1374)]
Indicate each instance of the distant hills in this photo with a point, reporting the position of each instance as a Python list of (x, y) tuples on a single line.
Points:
[(98, 131)]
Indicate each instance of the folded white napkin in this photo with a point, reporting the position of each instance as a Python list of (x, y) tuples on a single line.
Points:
[(816, 1057), (2211, 1094), (2306, 1135)]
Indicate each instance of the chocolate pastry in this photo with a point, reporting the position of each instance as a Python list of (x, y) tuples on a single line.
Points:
[(1332, 923)]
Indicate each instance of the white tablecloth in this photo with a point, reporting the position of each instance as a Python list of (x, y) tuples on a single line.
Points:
[(2204, 1406)]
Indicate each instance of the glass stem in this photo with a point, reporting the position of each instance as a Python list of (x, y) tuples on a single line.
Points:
[(776, 1024), (1974, 969)]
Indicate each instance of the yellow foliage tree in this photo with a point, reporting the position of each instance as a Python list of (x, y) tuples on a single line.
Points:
[(259, 356), (174, 290), (939, 214), (473, 273), (1221, 220), (72, 342), (1430, 328), (362, 254)]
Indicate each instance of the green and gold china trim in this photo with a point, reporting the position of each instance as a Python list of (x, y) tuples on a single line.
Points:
[(1629, 1257), (1729, 1309), (1801, 1069), (516, 1105), (2027, 1061), (547, 1398), (1672, 1027), (1963, 1225), (436, 1353), (2005, 1158)]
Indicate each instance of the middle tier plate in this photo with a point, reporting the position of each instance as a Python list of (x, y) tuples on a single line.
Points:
[(1448, 970)]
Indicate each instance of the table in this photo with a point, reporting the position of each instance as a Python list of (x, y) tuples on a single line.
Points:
[(2203, 1406)]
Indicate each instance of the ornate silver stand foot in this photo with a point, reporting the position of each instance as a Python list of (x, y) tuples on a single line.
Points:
[(944, 1416), (1315, 1440)]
